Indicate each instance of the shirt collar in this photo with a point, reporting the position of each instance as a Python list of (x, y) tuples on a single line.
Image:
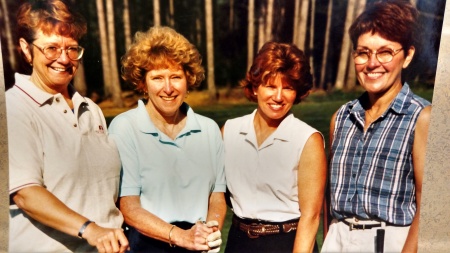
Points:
[(281, 133), (146, 125), (41, 97), (37, 95), (400, 104)]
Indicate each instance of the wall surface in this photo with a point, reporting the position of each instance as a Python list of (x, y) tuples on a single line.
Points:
[(434, 228), (4, 199)]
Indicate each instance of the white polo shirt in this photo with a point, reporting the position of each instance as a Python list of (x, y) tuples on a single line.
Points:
[(66, 152), (263, 180)]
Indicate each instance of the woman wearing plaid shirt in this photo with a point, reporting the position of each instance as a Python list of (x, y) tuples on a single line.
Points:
[(378, 140)]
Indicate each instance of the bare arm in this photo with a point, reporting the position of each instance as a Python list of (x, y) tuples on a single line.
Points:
[(419, 148), (217, 208), (311, 185), (45, 208), (326, 201), (152, 226)]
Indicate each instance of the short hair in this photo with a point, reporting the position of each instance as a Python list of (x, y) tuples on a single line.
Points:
[(279, 58), (52, 17), (161, 47), (394, 20)]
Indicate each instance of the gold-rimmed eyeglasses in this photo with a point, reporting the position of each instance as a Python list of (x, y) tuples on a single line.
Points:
[(384, 55), (52, 53)]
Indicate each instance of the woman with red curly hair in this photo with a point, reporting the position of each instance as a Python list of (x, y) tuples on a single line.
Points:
[(275, 163), (173, 182)]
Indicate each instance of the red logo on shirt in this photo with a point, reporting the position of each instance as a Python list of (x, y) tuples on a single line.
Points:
[(100, 130)]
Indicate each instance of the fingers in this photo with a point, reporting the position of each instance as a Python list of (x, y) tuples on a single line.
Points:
[(214, 236), (112, 241), (215, 244), (215, 250), (105, 243), (212, 223), (210, 235), (123, 241), (214, 239)]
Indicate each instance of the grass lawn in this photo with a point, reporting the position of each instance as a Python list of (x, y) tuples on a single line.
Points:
[(316, 110)]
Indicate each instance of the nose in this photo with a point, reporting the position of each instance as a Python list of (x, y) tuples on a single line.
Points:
[(168, 88), (373, 61), (63, 58), (277, 96)]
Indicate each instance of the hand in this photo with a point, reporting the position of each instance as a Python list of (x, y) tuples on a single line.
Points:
[(214, 239), (106, 239)]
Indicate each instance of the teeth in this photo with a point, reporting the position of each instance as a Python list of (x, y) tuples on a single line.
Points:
[(168, 98), (374, 75), (275, 106), (59, 69)]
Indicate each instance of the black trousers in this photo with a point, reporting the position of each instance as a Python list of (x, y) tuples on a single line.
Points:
[(141, 243), (238, 241)]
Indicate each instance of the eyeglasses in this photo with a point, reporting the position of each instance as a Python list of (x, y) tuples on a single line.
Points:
[(384, 55), (52, 53)]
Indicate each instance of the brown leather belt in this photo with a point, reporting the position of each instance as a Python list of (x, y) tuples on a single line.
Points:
[(257, 229)]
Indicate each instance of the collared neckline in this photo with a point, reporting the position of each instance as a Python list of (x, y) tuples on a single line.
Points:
[(248, 129), (41, 97), (399, 105), (146, 125)]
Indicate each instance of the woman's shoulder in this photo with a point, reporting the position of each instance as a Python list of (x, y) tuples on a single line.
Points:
[(296, 124), (124, 120), (244, 119)]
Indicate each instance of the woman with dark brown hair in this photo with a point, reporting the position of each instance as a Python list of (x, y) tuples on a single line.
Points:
[(275, 164), (378, 141)]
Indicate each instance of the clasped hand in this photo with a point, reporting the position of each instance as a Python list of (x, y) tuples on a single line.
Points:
[(214, 240), (106, 239), (206, 237)]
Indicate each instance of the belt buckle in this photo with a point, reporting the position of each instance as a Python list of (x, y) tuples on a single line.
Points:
[(254, 226), (350, 226)]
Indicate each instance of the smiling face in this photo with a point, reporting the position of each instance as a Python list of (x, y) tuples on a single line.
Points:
[(167, 89), (377, 78), (275, 99), (52, 76)]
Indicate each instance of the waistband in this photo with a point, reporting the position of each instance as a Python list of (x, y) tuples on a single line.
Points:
[(355, 223), (256, 228)]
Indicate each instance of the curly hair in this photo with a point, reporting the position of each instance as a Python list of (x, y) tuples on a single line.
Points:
[(279, 58), (50, 16), (394, 20), (161, 47)]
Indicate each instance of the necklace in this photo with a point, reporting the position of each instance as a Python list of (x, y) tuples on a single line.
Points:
[(372, 119)]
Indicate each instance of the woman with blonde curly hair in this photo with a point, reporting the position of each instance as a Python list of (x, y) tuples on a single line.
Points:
[(173, 183)]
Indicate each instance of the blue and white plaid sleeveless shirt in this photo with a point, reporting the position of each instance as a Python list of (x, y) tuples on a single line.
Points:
[(372, 174)]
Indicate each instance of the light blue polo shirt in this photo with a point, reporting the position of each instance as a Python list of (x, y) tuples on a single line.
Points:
[(174, 178)]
